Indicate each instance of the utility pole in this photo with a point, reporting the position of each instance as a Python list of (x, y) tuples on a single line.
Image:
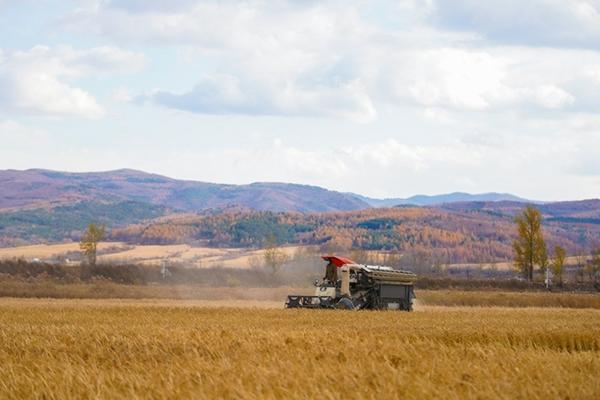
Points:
[(548, 280), (164, 270)]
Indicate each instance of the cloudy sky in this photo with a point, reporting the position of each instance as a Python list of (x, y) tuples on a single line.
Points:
[(382, 98)]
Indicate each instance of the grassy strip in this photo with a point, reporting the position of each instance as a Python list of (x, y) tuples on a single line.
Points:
[(105, 289), (508, 299)]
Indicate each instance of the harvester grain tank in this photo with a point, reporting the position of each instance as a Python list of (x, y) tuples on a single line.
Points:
[(359, 286)]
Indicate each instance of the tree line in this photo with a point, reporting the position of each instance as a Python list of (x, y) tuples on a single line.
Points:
[(530, 253), (450, 237)]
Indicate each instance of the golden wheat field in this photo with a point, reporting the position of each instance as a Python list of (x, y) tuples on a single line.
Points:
[(68, 349)]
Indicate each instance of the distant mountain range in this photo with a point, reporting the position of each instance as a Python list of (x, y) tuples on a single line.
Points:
[(425, 200), (581, 211), (40, 205), (43, 188)]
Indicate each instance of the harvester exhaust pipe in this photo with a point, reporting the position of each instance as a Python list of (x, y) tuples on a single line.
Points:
[(345, 289)]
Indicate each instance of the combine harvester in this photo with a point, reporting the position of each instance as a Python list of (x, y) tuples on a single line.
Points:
[(367, 287)]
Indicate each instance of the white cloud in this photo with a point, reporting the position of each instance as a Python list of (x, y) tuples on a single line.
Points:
[(461, 95), (390, 167), (396, 155), (551, 23), (382, 168), (454, 78), (151, 5), (16, 135), (277, 61), (334, 59), (40, 81), (227, 94), (281, 58), (527, 80), (8, 127), (550, 96), (122, 95)]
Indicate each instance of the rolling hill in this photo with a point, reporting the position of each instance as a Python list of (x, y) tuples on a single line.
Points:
[(38, 188), (39, 206), (582, 211), (425, 200), (67, 222), (419, 233)]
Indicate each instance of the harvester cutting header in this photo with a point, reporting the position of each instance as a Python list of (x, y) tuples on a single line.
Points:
[(349, 285)]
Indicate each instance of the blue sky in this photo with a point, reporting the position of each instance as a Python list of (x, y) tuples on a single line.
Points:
[(382, 98)]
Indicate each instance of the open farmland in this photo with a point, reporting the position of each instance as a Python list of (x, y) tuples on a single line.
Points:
[(199, 257), (115, 252), (140, 349)]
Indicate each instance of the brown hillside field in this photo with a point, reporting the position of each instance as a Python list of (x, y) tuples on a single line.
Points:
[(200, 257), (149, 254), (191, 255), (70, 349), (48, 250)]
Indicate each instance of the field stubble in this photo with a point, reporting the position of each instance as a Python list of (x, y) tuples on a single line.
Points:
[(141, 349)]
